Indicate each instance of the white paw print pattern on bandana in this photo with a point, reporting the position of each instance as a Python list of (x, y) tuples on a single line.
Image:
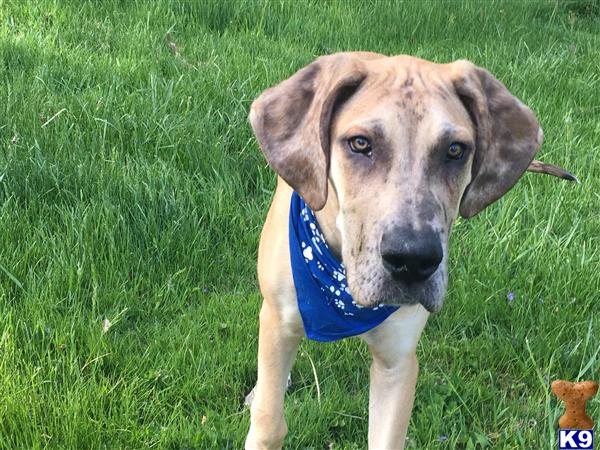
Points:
[(304, 214), (339, 276), (317, 237), (307, 252), (337, 301)]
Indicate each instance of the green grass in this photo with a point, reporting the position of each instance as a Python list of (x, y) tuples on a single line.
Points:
[(131, 189)]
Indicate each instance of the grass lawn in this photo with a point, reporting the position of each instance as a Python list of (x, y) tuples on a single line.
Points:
[(132, 194)]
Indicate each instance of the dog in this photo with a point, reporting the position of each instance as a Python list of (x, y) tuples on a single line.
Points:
[(376, 156)]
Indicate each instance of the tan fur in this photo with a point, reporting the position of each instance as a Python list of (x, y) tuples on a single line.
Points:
[(411, 110)]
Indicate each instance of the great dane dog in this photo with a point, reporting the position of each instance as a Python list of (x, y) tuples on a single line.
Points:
[(386, 151)]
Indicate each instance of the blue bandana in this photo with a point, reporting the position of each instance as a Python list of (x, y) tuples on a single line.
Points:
[(328, 311)]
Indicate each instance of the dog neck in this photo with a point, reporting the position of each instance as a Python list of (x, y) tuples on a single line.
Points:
[(326, 218)]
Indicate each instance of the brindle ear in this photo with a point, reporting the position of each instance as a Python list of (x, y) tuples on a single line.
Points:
[(508, 136), (292, 121)]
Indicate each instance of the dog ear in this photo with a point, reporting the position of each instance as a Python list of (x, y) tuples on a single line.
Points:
[(292, 121), (508, 136)]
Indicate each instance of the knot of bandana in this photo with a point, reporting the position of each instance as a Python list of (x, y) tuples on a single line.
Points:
[(328, 311)]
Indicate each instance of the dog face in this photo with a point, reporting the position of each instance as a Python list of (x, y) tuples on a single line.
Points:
[(406, 145), (401, 158)]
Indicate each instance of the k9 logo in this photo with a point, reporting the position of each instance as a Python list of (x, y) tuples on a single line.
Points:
[(575, 439)]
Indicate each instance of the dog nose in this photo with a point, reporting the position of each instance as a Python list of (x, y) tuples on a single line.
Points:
[(411, 256)]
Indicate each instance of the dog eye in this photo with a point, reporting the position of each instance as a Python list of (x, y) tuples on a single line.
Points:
[(360, 144), (456, 151)]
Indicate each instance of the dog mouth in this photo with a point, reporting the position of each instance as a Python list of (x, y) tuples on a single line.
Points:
[(431, 305), (384, 290)]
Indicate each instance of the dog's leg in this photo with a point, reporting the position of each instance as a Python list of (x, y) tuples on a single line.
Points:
[(278, 341), (393, 375)]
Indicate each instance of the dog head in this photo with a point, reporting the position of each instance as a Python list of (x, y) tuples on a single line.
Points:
[(403, 145)]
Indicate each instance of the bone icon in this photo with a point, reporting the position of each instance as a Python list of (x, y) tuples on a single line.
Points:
[(575, 395)]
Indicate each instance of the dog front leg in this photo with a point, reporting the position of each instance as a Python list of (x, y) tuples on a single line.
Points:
[(394, 373), (277, 348), (391, 397)]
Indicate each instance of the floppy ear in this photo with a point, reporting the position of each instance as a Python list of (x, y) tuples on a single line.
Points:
[(292, 121), (508, 136)]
